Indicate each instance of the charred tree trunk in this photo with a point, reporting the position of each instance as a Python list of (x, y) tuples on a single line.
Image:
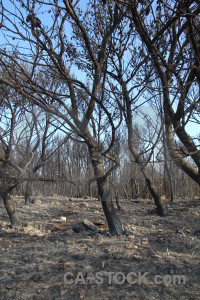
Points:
[(114, 223), (5, 189), (28, 192), (10, 208), (161, 210), (116, 195), (117, 200), (112, 218)]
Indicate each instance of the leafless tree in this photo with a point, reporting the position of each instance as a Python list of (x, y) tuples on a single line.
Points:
[(169, 35), (13, 163), (43, 151), (128, 87), (53, 53)]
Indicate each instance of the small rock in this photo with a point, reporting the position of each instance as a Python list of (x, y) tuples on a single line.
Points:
[(78, 227), (90, 225), (63, 219), (83, 226)]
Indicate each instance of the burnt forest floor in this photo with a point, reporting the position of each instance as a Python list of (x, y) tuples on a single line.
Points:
[(47, 260)]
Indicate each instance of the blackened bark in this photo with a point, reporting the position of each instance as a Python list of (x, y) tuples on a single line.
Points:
[(117, 200), (114, 223), (10, 208), (161, 210)]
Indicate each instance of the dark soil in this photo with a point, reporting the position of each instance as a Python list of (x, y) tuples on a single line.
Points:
[(34, 261)]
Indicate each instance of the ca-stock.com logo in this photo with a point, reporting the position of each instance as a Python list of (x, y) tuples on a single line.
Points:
[(121, 278)]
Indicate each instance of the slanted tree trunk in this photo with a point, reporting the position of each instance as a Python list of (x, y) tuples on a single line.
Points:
[(138, 159), (10, 208), (116, 195), (161, 210), (117, 200), (112, 218), (28, 192), (114, 223)]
